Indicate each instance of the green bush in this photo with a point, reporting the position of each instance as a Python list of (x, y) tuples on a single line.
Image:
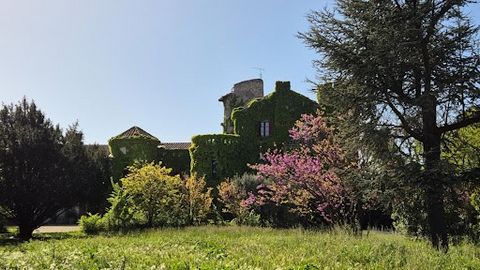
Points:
[(121, 214), (149, 196), (91, 224), (197, 200), (155, 194), (248, 218)]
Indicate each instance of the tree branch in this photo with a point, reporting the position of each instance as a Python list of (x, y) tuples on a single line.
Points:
[(404, 121), (463, 123)]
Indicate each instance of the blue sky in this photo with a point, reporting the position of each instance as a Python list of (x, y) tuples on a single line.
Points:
[(160, 65)]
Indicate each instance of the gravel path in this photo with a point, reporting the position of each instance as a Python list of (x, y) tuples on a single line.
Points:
[(55, 229)]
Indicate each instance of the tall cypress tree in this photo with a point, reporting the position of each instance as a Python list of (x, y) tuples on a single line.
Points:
[(408, 68)]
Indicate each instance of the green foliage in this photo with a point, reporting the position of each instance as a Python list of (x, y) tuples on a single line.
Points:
[(155, 193), (120, 215), (232, 247), (99, 176), (233, 192), (475, 200), (407, 71), (281, 108), (126, 151), (232, 152), (42, 170), (197, 200), (248, 218), (149, 196), (177, 159), (218, 156), (91, 224), (462, 146)]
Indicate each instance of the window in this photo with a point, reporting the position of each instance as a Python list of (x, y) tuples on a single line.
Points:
[(214, 168), (264, 128)]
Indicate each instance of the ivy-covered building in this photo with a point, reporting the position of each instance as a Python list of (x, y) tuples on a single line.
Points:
[(253, 123), (135, 144)]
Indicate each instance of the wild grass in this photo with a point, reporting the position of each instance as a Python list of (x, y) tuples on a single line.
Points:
[(212, 247)]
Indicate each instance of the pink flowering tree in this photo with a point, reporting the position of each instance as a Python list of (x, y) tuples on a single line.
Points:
[(304, 178)]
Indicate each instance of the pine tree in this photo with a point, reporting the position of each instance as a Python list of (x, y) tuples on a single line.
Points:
[(408, 69)]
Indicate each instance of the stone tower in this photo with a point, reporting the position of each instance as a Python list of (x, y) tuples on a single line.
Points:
[(240, 95)]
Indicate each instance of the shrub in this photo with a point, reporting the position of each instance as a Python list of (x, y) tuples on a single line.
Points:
[(120, 215), (304, 179), (475, 199), (197, 199), (91, 224), (234, 191), (248, 218), (149, 196), (155, 194)]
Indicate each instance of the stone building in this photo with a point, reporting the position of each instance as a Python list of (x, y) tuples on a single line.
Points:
[(240, 94), (252, 124), (135, 144)]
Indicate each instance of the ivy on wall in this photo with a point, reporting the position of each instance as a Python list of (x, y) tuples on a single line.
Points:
[(281, 109), (126, 151), (218, 156), (176, 159)]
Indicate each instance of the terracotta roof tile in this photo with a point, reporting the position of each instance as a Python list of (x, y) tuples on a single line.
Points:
[(135, 132), (175, 145)]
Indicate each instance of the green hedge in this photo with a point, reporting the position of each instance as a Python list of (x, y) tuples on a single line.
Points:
[(228, 151), (126, 151)]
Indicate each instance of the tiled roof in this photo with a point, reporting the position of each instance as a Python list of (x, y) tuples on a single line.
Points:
[(175, 145), (136, 132)]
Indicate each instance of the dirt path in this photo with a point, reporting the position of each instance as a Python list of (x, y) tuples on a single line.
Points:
[(59, 229)]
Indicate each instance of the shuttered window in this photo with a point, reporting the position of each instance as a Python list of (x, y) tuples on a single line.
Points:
[(264, 128)]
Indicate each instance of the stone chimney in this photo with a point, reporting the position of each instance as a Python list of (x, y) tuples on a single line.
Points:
[(282, 86)]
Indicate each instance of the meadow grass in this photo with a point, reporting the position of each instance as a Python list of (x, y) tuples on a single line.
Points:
[(211, 247)]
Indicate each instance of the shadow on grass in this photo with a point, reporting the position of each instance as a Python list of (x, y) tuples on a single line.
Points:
[(12, 239)]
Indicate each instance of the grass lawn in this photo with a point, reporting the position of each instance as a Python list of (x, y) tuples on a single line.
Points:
[(233, 248)]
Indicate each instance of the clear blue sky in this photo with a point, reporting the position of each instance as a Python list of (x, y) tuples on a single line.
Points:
[(160, 65)]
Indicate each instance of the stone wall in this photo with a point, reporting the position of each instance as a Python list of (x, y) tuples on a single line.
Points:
[(239, 96)]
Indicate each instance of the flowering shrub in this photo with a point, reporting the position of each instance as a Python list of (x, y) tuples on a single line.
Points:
[(303, 179), (235, 195)]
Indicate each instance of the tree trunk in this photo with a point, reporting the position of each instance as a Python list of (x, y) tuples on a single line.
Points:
[(25, 231), (433, 184)]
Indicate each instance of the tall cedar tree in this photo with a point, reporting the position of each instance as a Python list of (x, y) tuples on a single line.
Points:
[(408, 67), (41, 171)]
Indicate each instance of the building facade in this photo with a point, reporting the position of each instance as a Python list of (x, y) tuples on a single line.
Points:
[(252, 124)]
